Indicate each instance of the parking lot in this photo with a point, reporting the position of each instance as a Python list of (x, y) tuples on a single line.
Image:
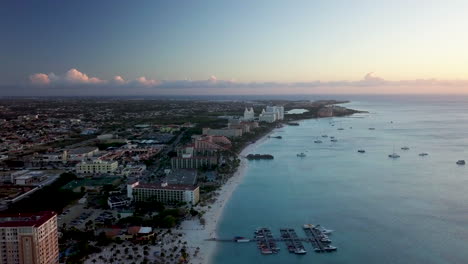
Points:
[(77, 216)]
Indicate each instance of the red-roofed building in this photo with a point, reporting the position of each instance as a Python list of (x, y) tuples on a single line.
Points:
[(29, 238)]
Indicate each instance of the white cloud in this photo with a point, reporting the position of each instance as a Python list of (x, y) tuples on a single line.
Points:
[(118, 79), (75, 76), (39, 79), (146, 82)]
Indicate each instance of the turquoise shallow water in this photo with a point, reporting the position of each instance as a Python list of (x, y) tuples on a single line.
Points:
[(409, 210)]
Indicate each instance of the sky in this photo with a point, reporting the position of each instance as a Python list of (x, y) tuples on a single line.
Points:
[(115, 47)]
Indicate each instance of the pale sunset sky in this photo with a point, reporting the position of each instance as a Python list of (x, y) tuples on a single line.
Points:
[(114, 47)]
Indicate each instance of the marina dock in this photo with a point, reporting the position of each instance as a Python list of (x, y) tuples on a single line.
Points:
[(267, 243)]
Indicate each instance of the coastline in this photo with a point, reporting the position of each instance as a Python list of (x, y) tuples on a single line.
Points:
[(196, 234)]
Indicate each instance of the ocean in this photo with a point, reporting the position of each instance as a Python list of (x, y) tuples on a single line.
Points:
[(408, 210)]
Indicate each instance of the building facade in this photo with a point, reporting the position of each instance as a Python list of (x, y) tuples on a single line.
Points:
[(163, 193), (96, 167), (29, 238), (249, 114), (271, 114), (227, 132)]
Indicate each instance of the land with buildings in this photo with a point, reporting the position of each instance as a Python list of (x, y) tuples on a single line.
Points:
[(123, 180)]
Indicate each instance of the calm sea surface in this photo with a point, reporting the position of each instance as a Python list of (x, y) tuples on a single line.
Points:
[(408, 210)]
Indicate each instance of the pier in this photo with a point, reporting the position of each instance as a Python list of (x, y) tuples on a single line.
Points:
[(267, 244), (292, 241)]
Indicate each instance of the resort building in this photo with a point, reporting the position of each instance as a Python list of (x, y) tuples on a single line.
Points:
[(249, 114), (272, 114), (96, 167), (165, 193), (29, 238)]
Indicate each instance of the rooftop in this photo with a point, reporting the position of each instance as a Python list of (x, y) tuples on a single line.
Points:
[(184, 177), (166, 187), (25, 219), (82, 150)]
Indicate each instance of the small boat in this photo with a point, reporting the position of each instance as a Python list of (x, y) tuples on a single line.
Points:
[(423, 154), (301, 155), (340, 128), (300, 251), (461, 162), (371, 128), (324, 136), (334, 140), (405, 148), (318, 141), (361, 151), (332, 137), (394, 156), (330, 248), (240, 239)]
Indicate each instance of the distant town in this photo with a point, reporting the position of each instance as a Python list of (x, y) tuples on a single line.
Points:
[(101, 180)]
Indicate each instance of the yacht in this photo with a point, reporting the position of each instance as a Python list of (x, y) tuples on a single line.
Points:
[(330, 248), (302, 155), (394, 156), (423, 154), (461, 162), (300, 251), (405, 148), (361, 151)]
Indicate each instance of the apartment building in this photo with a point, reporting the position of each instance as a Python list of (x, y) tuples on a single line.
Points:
[(29, 238)]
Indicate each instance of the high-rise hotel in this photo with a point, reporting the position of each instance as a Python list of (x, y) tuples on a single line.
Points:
[(29, 238)]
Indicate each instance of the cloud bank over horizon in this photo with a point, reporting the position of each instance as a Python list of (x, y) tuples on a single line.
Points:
[(75, 82)]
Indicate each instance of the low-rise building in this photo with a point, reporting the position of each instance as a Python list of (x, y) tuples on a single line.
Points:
[(117, 201), (165, 193), (96, 167), (82, 153), (227, 132)]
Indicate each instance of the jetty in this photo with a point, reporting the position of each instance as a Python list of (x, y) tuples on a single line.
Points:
[(293, 243)]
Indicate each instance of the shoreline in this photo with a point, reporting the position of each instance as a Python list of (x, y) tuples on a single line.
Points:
[(196, 234)]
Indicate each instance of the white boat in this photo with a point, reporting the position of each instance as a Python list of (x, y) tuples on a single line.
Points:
[(461, 162), (241, 239), (394, 156), (300, 251)]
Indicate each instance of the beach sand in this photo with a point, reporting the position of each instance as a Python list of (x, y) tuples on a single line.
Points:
[(196, 234)]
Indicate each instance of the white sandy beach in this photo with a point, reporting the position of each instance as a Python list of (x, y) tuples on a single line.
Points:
[(196, 234)]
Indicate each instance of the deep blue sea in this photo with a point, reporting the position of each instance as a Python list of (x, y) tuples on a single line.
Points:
[(408, 210)]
